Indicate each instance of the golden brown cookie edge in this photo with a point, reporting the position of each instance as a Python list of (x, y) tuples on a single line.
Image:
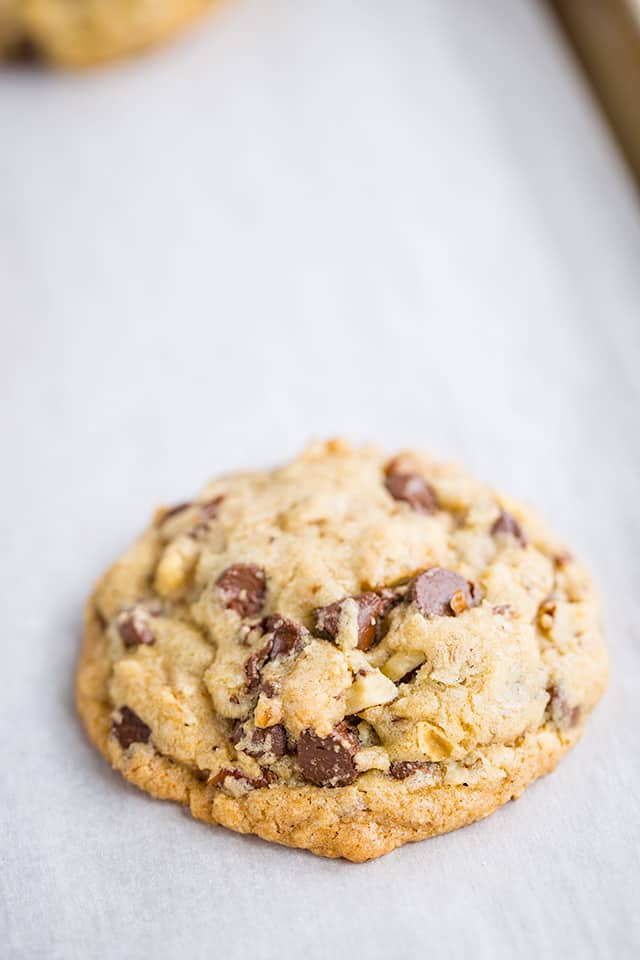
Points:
[(354, 823)]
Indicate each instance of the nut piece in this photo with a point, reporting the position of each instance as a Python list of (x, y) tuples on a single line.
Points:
[(370, 690), (400, 664), (268, 711), (458, 602), (372, 758), (176, 565)]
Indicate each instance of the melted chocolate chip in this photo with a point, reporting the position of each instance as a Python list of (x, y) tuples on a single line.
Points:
[(412, 489), (134, 631), (508, 524), (371, 610), (243, 587), (401, 769), (130, 728), (441, 593), (254, 665), (287, 635), (328, 761), (253, 783)]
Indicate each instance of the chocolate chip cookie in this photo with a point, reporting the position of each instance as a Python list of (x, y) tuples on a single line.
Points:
[(343, 654), (78, 33)]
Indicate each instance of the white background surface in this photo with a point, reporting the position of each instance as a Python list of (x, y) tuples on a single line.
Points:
[(403, 222)]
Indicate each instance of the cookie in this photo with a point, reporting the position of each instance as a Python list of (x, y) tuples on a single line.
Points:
[(343, 654), (78, 34)]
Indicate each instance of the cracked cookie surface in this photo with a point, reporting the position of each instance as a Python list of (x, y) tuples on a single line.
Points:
[(343, 654)]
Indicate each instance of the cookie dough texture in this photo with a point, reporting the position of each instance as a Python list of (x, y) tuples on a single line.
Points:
[(343, 654), (79, 33)]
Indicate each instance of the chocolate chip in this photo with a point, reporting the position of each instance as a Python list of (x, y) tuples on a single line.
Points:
[(172, 511), (328, 761), (254, 665), (508, 524), (439, 592), (287, 635), (412, 489), (130, 728), (243, 587), (401, 769), (209, 509), (134, 631), (563, 715), (263, 740), (326, 620), (371, 610), (253, 783)]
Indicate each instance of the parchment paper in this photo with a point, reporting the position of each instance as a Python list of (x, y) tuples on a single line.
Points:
[(403, 222)]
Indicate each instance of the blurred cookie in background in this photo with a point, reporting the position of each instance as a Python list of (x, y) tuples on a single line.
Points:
[(80, 33)]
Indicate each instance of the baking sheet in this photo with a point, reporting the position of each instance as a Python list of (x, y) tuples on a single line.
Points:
[(400, 222)]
